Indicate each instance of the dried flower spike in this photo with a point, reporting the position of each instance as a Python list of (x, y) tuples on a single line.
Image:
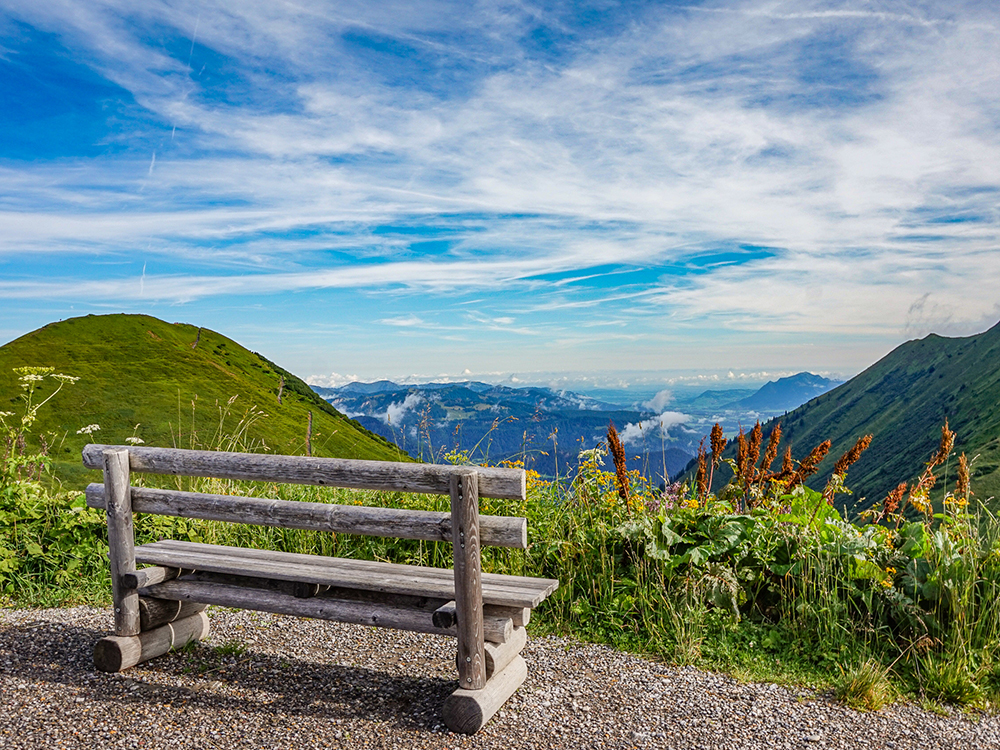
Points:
[(618, 454), (702, 476), (771, 452), (718, 445)]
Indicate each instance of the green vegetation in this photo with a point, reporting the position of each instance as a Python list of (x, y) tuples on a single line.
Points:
[(902, 400), (763, 577), (171, 385)]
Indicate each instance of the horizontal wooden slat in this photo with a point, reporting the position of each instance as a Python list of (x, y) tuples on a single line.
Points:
[(507, 591), (506, 484), (431, 526), (380, 614), (539, 586)]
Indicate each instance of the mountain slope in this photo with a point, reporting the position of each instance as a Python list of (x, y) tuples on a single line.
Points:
[(788, 393), (170, 384), (903, 400)]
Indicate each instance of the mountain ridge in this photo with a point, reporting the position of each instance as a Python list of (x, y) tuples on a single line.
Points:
[(171, 383), (903, 400)]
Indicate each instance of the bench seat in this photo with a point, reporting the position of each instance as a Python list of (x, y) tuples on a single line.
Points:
[(389, 578)]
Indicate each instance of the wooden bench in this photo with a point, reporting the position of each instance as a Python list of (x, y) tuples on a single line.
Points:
[(161, 607)]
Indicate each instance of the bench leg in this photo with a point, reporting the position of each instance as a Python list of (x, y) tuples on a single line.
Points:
[(117, 652), (466, 711)]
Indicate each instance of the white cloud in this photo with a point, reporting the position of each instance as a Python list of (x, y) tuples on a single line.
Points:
[(333, 380), (654, 427), (396, 410), (659, 401), (680, 134)]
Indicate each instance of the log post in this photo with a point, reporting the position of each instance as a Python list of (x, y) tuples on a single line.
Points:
[(467, 711), (468, 579), (156, 612), (121, 541), (115, 653)]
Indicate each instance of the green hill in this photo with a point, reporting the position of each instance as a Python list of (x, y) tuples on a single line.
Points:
[(170, 385), (903, 400)]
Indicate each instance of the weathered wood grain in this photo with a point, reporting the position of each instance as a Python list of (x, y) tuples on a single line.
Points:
[(148, 576), (121, 540), (156, 612), (499, 655), (115, 653), (468, 580), (383, 614), (412, 580), (333, 472), (541, 587), (446, 615), (431, 526), (520, 615), (466, 711)]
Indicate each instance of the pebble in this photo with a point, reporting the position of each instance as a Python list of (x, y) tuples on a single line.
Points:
[(301, 684)]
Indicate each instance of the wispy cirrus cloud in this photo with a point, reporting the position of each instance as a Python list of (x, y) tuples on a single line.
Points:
[(801, 170)]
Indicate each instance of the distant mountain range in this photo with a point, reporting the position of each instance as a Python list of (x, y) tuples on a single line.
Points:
[(903, 400), (546, 429), (788, 393), (170, 384)]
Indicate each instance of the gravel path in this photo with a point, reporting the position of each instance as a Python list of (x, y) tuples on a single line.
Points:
[(264, 681)]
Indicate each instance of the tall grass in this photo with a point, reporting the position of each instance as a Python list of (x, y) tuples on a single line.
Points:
[(763, 577)]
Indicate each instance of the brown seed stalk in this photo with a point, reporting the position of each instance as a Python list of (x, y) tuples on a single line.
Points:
[(741, 453), (702, 477), (771, 452), (807, 466), (849, 458), (753, 453), (618, 454), (718, 445), (962, 486), (944, 449)]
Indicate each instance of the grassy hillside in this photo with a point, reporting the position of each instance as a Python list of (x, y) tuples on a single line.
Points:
[(170, 385), (903, 400)]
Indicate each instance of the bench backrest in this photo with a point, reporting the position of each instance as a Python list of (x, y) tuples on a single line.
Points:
[(463, 527), (498, 531)]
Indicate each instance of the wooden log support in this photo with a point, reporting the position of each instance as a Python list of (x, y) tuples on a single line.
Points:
[(373, 611), (446, 615), (466, 711), (499, 655), (520, 615), (468, 579), (503, 484), (148, 576), (121, 541), (425, 525), (115, 653), (495, 620), (156, 612)]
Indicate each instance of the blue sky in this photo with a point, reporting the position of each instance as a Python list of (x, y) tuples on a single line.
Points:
[(424, 188)]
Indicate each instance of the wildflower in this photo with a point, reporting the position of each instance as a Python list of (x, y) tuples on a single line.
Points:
[(702, 477), (753, 453), (618, 454), (718, 445), (843, 464), (787, 467), (771, 452), (849, 458), (741, 453), (807, 466), (944, 449), (134, 440), (962, 487), (90, 429), (893, 499)]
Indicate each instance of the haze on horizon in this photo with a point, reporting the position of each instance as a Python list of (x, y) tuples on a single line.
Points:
[(428, 188)]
